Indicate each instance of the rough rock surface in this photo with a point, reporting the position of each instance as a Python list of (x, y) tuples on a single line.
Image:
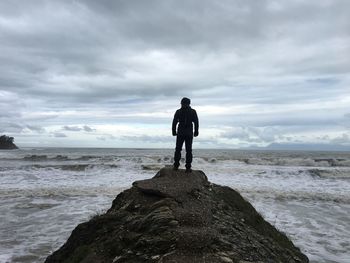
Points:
[(178, 217)]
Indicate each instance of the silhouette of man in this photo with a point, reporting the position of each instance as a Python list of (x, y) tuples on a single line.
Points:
[(185, 116)]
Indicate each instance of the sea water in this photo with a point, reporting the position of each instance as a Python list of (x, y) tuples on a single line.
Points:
[(46, 192)]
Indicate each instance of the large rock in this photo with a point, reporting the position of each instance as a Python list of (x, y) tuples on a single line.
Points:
[(6, 143), (178, 217)]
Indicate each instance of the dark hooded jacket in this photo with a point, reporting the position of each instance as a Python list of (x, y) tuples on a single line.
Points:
[(185, 116)]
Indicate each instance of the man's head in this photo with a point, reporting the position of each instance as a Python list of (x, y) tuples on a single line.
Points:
[(185, 102)]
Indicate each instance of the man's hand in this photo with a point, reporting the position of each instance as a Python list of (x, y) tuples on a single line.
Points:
[(174, 133), (195, 134)]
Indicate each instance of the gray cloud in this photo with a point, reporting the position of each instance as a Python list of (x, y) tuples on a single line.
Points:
[(88, 129), (59, 135), (106, 137), (343, 139), (254, 134), (18, 128), (239, 133), (117, 60), (11, 128), (85, 128), (36, 128), (71, 128), (80, 58), (147, 138)]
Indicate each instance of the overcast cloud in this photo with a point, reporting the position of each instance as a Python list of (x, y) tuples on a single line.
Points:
[(112, 73)]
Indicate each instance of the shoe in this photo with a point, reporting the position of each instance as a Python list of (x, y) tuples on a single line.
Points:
[(175, 168), (188, 170)]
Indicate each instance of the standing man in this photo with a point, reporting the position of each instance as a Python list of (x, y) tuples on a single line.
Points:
[(185, 116)]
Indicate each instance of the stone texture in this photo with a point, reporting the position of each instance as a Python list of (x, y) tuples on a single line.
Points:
[(178, 217)]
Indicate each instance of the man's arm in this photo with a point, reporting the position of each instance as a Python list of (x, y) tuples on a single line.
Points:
[(196, 124), (175, 121)]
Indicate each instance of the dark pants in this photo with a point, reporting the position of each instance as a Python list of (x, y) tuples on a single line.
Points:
[(188, 145)]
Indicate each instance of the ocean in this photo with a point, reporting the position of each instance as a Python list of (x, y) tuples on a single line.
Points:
[(46, 192)]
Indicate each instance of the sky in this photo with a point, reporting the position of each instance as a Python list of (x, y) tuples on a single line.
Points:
[(112, 73)]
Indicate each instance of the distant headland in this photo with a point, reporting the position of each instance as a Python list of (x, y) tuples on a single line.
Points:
[(6, 143)]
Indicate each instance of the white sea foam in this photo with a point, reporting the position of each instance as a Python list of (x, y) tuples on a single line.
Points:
[(44, 193), (63, 191), (337, 173)]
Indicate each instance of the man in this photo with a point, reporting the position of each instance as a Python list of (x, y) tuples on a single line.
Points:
[(185, 116)]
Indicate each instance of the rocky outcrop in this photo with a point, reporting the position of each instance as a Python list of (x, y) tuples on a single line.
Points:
[(6, 143), (178, 217)]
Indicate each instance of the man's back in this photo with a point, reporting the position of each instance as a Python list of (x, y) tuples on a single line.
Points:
[(185, 116)]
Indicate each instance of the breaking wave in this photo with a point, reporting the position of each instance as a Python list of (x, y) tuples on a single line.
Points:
[(35, 157), (75, 167), (62, 192), (303, 196), (330, 174), (153, 167), (63, 181), (63, 167), (317, 162), (307, 161)]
